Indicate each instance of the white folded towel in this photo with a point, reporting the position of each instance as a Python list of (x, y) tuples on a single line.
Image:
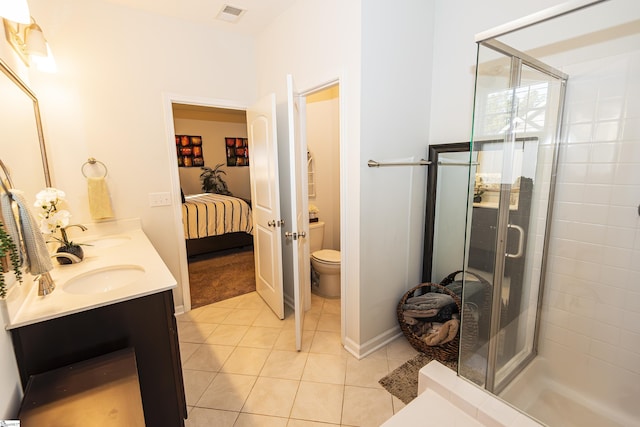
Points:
[(99, 201)]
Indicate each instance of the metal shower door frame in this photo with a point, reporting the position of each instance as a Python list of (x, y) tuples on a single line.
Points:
[(518, 60)]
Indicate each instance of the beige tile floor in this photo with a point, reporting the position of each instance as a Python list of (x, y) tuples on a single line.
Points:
[(241, 368)]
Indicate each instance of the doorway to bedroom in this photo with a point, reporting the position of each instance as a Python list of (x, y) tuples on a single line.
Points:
[(213, 167)]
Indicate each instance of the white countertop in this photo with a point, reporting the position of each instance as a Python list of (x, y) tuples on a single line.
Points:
[(129, 247)]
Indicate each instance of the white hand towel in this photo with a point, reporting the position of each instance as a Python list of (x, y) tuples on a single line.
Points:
[(37, 255), (99, 201)]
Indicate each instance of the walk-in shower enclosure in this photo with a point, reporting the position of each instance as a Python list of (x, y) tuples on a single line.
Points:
[(554, 216)]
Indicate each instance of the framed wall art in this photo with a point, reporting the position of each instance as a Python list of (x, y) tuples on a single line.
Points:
[(237, 151), (189, 150)]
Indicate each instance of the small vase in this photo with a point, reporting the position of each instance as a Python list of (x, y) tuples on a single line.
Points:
[(73, 250)]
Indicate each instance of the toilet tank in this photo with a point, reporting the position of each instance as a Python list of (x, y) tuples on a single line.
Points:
[(316, 236)]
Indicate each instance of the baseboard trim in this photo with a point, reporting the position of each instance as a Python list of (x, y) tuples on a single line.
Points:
[(363, 350), (179, 309)]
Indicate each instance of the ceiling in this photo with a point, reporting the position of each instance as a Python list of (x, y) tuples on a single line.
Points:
[(258, 13)]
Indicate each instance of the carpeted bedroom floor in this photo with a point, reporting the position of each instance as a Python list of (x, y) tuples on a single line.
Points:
[(221, 275)]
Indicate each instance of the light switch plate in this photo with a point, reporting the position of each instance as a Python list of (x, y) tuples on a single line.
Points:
[(159, 199)]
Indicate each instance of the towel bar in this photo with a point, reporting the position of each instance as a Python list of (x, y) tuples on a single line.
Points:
[(374, 164)]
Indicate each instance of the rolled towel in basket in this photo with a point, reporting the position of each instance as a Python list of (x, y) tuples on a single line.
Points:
[(410, 320), (443, 334), (421, 313), (428, 300)]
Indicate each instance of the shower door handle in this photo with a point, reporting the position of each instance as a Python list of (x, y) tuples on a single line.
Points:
[(520, 249)]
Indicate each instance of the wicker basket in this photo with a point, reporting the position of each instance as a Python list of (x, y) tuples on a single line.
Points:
[(483, 301), (475, 313), (444, 352)]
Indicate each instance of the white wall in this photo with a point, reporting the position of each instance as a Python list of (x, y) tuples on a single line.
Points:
[(106, 101), (395, 109), (385, 113), (298, 43), (454, 58), (392, 110), (214, 152), (323, 140)]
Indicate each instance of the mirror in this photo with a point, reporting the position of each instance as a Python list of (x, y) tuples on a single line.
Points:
[(22, 147), (446, 209)]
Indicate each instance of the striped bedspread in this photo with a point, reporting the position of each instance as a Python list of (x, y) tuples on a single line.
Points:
[(209, 214)]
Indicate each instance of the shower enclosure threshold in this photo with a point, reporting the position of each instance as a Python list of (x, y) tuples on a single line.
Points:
[(543, 396)]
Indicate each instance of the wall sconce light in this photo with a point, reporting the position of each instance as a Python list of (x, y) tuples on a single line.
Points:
[(15, 10), (29, 42)]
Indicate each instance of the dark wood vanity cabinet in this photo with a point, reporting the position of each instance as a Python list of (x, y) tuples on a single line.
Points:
[(145, 324)]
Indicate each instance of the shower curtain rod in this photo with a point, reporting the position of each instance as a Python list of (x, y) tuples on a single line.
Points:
[(374, 164)]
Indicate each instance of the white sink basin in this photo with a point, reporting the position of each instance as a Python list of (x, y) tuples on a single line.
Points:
[(107, 242), (103, 280)]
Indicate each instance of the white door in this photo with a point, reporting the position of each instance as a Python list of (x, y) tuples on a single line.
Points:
[(299, 229), (265, 201)]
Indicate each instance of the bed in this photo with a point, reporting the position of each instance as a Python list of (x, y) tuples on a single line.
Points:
[(214, 222)]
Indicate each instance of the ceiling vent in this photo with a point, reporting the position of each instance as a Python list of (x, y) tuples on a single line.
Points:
[(230, 13)]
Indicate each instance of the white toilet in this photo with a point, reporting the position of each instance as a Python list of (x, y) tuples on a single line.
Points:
[(325, 262)]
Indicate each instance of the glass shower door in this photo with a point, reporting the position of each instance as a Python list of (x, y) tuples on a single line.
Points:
[(518, 104)]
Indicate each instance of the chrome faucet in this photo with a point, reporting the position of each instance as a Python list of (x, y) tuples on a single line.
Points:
[(46, 285), (71, 257), (80, 226)]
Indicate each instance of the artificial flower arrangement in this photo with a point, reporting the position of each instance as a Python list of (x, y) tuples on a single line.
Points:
[(313, 211), (53, 219)]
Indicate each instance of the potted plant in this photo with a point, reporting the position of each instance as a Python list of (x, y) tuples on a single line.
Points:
[(212, 181), (8, 247), (53, 219)]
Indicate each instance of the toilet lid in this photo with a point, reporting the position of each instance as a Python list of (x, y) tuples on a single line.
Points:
[(327, 255)]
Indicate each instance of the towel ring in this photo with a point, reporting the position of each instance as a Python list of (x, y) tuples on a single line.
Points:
[(93, 161)]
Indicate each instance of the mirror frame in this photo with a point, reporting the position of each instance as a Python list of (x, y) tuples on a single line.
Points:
[(430, 214), (36, 110)]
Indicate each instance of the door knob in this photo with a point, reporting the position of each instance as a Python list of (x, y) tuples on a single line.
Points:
[(294, 235), (271, 223)]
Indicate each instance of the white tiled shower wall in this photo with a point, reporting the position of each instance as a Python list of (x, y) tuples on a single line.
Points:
[(591, 312)]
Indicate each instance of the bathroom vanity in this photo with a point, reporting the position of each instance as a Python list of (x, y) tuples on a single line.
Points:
[(98, 389), (119, 297)]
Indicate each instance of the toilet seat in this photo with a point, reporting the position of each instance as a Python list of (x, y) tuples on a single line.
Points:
[(327, 256)]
